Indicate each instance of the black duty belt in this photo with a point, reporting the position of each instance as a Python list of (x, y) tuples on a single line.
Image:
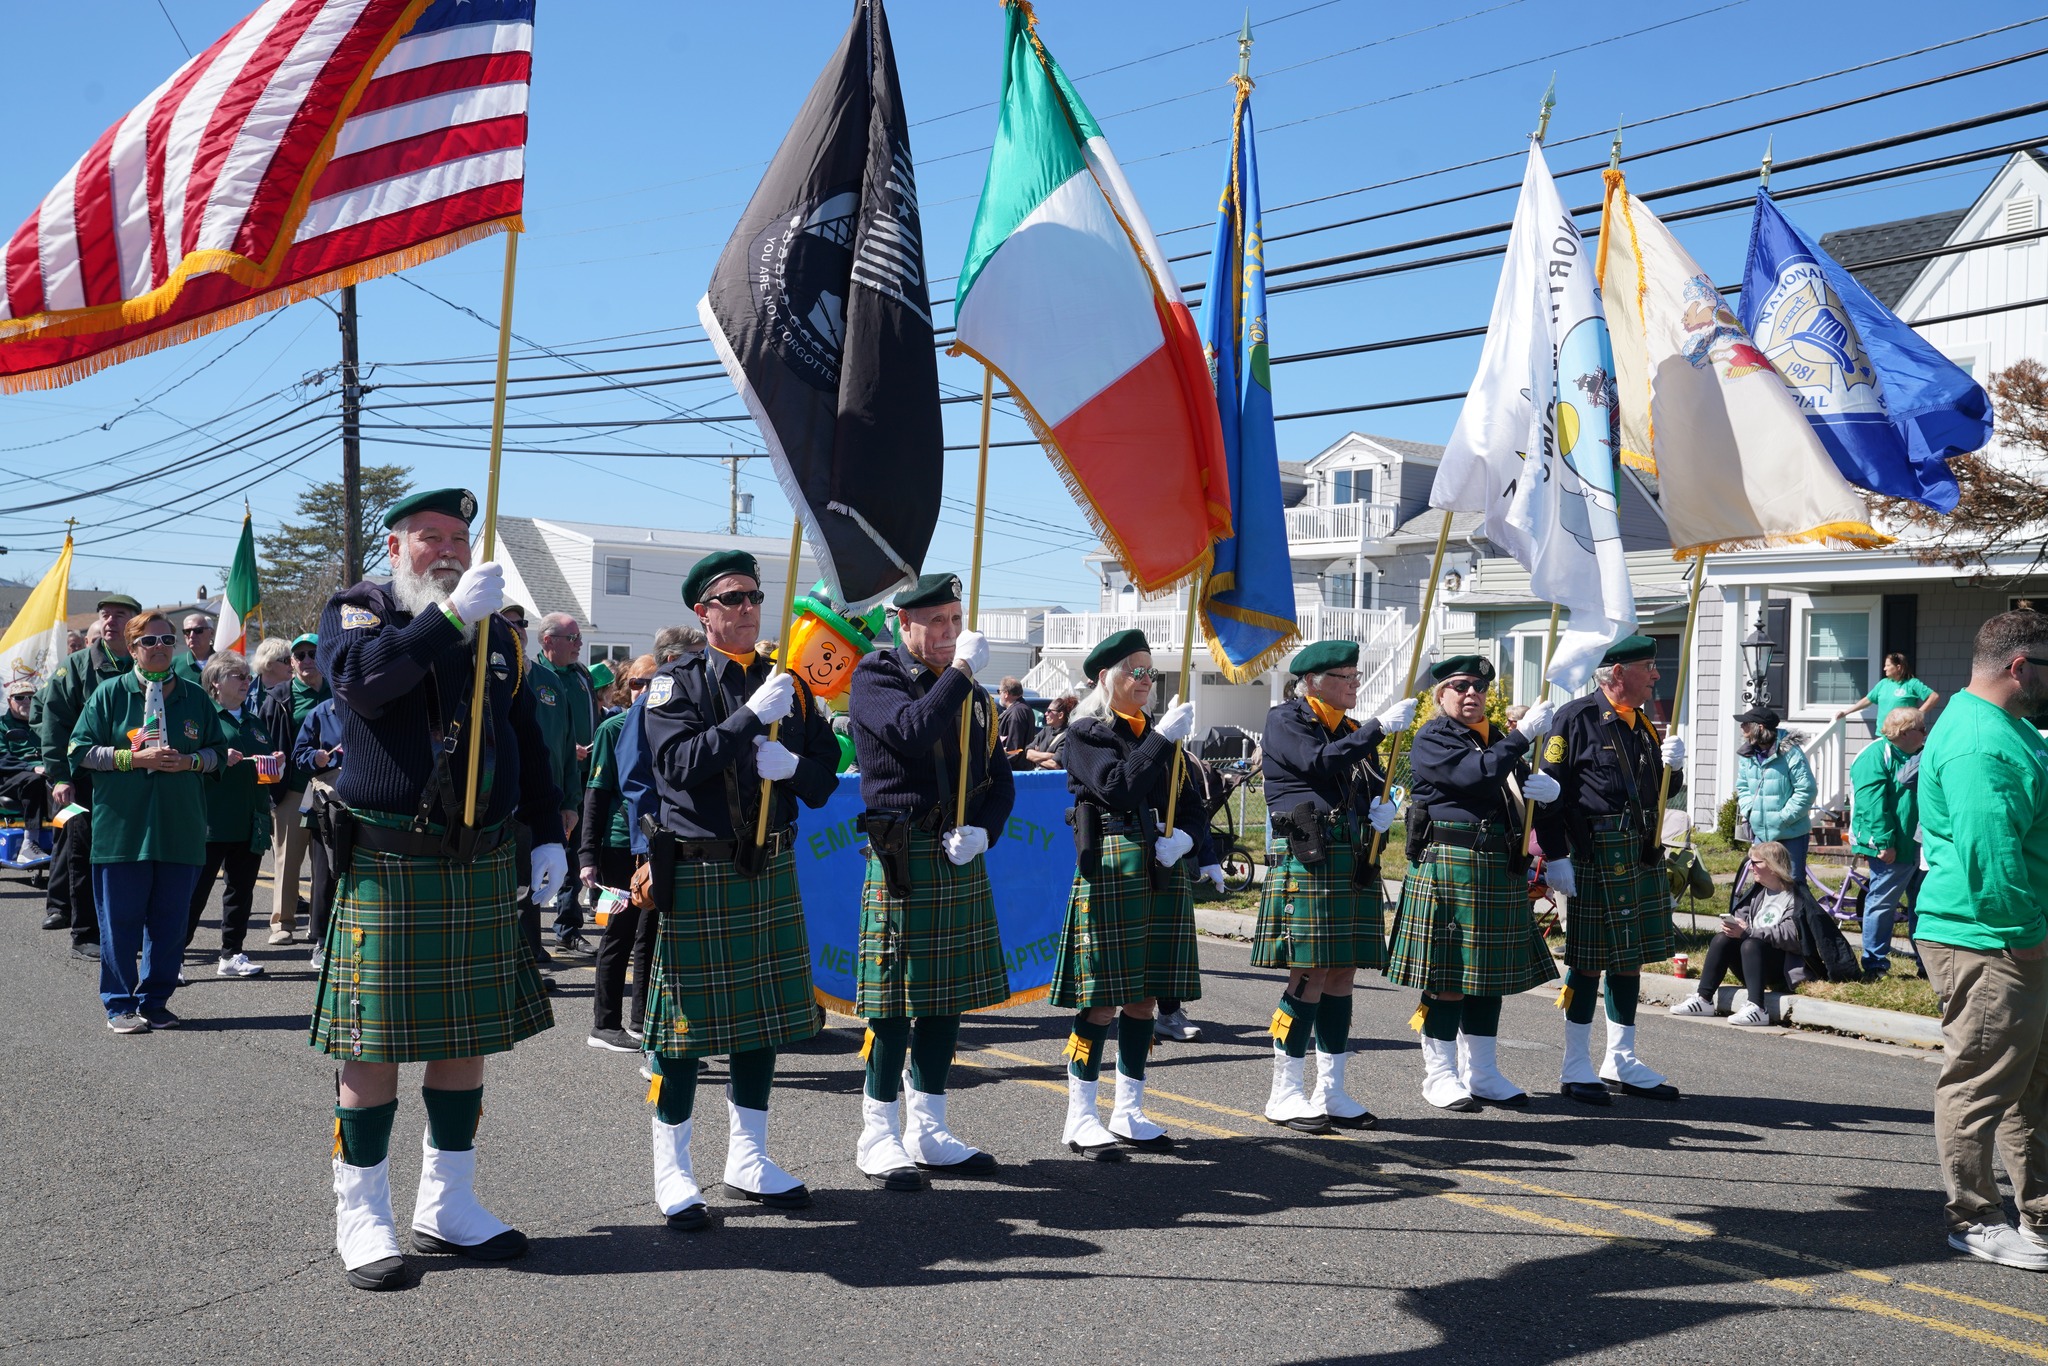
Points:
[(383, 839), (1118, 823), (1609, 825), (1481, 838), (723, 851)]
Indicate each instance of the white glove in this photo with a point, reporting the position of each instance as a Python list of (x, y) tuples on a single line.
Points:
[(771, 701), (1178, 720), (771, 760), (971, 650), (1381, 814), (1398, 717), (1558, 874), (550, 871), (1674, 752), (1214, 872), (1537, 719), (964, 843), (1541, 787), (1170, 848), (479, 592)]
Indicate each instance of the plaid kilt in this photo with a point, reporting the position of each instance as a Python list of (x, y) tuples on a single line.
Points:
[(424, 962), (937, 953), (1465, 925), (732, 968), (1314, 917), (1124, 942), (1621, 917)]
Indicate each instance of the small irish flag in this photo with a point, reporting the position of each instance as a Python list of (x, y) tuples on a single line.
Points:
[(243, 596), (1066, 296)]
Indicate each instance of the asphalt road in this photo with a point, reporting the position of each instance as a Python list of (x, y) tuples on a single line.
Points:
[(166, 1198)]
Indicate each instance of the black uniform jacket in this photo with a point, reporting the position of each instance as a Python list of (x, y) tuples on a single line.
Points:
[(701, 738), (1460, 777), (904, 718), (397, 679), (1303, 761), (1108, 764), (1593, 755)]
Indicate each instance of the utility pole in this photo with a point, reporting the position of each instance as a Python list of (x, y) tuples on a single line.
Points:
[(732, 494), (351, 445)]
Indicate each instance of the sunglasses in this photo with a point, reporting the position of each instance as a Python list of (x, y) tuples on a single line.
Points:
[(197, 630), (635, 684), (1145, 673), (1467, 685), (1342, 678), (150, 642), (739, 596), (304, 656)]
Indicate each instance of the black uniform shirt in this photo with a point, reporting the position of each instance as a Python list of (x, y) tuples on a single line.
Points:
[(903, 717), (1109, 764), (1302, 760), (1460, 777), (699, 737), (1592, 753)]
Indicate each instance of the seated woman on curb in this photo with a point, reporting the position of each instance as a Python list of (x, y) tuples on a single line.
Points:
[(1759, 938)]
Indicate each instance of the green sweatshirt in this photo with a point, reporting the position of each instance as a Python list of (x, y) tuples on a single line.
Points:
[(1984, 817), (1883, 814), (142, 816)]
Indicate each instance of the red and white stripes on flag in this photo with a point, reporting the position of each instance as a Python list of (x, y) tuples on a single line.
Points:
[(317, 143)]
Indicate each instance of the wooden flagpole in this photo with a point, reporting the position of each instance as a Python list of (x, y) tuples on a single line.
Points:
[(490, 543), (988, 401), (796, 556), (1436, 567), (1542, 691), (1692, 612)]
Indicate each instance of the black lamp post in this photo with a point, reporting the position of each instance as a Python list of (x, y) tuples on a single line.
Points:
[(1758, 649)]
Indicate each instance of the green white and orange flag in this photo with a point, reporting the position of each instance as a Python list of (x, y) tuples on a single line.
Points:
[(243, 595), (1066, 296), (37, 641)]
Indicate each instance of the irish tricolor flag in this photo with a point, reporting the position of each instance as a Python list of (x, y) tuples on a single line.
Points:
[(1065, 295), (242, 596)]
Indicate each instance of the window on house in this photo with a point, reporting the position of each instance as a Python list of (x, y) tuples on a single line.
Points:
[(1339, 590), (1354, 486), (618, 576), (618, 656), (1837, 657)]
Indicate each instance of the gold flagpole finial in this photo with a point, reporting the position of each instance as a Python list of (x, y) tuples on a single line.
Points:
[(1543, 111)]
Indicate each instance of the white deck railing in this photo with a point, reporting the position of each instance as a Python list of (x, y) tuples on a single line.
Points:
[(1827, 754), (1347, 523)]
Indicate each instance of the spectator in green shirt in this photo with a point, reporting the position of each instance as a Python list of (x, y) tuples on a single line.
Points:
[(238, 815), (1983, 936), (1884, 827), (1898, 688), (606, 859)]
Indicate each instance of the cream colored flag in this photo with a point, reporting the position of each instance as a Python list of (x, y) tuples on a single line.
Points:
[(1736, 462), (37, 641)]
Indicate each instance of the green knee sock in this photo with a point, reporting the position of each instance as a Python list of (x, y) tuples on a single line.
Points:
[(1133, 1045), (1440, 1018), (1583, 986), (1333, 1024), (752, 1076), (931, 1052), (674, 1091), (452, 1117), (1294, 1023), (1623, 990), (1481, 1016), (1084, 1048), (364, 1135), (886, 1043)]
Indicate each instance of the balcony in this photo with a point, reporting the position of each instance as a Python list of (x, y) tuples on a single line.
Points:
[(1338, 526), (1012, 627)]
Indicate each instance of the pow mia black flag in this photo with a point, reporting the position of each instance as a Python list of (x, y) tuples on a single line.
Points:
[(819, 310)]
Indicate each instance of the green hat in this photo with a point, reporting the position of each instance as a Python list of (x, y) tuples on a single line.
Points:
[(601, 675), (1629, 650), (1114, 650), (1322, 655), (857, 631), (714, 567), (1478, 666), (310, 638), (458, 503), (117, 600), (930, 590)]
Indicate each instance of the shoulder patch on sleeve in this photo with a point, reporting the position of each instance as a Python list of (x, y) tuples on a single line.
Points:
[(358, 618), (661, 690), (1553, 753)]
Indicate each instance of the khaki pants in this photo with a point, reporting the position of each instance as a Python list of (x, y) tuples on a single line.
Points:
[(288, 851), (1993, 1089)]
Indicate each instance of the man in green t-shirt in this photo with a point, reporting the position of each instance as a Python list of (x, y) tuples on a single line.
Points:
[(1984, 937), (1884, 827)]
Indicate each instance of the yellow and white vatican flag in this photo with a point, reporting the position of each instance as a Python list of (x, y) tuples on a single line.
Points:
[(1736, 462), (37, 641)]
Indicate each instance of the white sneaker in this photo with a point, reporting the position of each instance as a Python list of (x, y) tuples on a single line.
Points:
[(2003, 1244), (238, 966), (2033, 1235), (1694, 1005), (318, 960), (1751, 1014), (280, 935)]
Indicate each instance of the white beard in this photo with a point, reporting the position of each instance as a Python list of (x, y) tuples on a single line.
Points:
[(418, 593)]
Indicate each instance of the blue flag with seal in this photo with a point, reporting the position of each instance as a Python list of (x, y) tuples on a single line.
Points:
[(1248, 603), (1890, 409)]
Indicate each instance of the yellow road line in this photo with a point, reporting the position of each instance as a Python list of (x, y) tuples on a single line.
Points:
[(1968, 1334)]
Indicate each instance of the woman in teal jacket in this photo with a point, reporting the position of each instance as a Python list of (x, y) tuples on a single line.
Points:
[(1774, 787)]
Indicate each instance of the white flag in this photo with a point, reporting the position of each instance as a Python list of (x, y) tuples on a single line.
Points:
[(1536, 442)]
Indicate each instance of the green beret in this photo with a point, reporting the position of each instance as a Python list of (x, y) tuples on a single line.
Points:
[(310, 638), (930, 590), (714, 567), (117, 600), (457, 503), (1630, 650), (857, 631), (1478, 666), (1114, 650), (1322, 655)]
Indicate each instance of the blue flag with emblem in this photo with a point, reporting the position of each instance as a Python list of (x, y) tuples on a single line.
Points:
[(1248, 603), (1890, 409)]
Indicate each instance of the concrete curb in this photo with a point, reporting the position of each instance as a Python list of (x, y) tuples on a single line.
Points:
[(1887, 1026), (1225, 924)]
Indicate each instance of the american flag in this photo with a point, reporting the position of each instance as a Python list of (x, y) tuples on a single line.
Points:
[(317, 143)]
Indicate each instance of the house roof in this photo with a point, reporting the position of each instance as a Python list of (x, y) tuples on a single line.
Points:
[(1899, 237), (538, 570), (1421, 450), (1426, 524)]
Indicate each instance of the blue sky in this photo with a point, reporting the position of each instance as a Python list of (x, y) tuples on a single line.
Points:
[(651, 123)]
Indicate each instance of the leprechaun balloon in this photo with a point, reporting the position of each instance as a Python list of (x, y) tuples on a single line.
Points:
[(828, 641)]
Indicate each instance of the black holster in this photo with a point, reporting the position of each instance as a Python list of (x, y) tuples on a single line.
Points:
[(336, 828), (1086, 818), (1160, 877), (661, 861), (1418, 833), (1302, 828), (889, 845)]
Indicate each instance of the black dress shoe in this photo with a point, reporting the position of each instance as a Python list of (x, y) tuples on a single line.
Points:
[(797, 1198), (690, 1219), (1586, 1093), (1663, 1090), (56, 921), (386, 1273), (1306, 1124), (89, 950), (900, 1179), (1367, 1120), (1519, 1101), (1104, 1152), (1161, 1144), (508, 1246), (1466, 1106), (980, 1164)]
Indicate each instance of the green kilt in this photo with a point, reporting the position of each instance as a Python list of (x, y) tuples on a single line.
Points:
[(1314, 917), (732, 968), (1123, 941), (1465, 925), (424, 961), (1621, 918), (938, 952)]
